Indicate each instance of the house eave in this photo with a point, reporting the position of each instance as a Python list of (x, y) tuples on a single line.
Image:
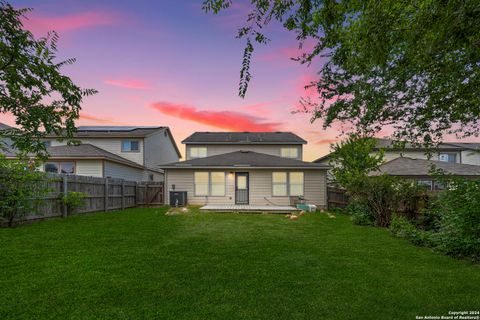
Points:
[(247, 167), (245, 143)]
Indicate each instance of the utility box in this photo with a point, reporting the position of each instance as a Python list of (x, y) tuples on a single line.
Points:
[(178, 198)]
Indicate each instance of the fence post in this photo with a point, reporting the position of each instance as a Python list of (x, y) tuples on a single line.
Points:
[(106, 196), (136, 194), (65, 193), (123, 194)]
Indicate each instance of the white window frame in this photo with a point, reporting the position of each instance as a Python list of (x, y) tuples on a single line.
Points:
[(289, 152), (288, 184), (195, 152), (209, 184), (130, 145)]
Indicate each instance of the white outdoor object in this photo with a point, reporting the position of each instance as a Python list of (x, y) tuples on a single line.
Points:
[(312, 208)]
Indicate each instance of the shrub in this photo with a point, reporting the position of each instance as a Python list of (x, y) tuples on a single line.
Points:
[(403, 228), (73, 200), (378, 195), (362, 219), (360, 214), (458, 212), (21, 189)]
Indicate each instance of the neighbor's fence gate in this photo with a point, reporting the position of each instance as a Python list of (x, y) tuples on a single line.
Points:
[(337, 197), (102, 194), (150, 194)]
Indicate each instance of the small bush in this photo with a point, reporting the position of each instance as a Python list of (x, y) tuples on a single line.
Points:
[(362, 219), (73, 200), (360, 214), (403, 228)]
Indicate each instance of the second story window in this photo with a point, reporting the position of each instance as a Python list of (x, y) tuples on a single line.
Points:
[(289, 152), (130, 146), (198, 152), (447, 157)]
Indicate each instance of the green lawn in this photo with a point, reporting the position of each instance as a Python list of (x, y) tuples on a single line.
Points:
[(140, 264)]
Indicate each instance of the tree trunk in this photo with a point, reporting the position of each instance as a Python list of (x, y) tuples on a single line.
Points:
[(10, 220)]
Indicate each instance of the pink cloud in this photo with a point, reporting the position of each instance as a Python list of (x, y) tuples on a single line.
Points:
[(87, 116), (260, 108), (128, 83), (229, 120), (327, 141), (42, 24)]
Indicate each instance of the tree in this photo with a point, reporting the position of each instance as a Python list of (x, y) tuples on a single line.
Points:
[(353, 159), (413, 65), (32, 88)]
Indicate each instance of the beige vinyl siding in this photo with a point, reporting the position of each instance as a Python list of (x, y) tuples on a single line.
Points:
[(159, 149), (120, 171), (420, 154), (113, 145), (260, 183), (274, 150), (157, 176), (471, 157), (92, 168)]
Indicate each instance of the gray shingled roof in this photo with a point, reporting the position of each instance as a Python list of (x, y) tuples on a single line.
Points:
[(404, 166), (244, 138), (113, 131), (86, 151), (82, 151), (244, 159), (3, 126)]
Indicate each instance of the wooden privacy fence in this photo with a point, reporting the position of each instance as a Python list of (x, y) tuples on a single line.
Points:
[(101, 194), (337, 197)]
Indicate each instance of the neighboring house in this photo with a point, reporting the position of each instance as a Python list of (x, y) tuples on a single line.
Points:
[(131, 153), (419, 170), (246, 168), (5, 142), (453, 152)]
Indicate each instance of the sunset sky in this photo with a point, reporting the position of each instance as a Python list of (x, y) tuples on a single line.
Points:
[(168, 63)]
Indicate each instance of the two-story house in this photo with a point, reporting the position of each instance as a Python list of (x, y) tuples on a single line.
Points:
[(414, 162), (453, 152), (131, 153), (246, 168)]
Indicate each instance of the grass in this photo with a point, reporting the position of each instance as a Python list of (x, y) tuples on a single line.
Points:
[(141, 264)]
